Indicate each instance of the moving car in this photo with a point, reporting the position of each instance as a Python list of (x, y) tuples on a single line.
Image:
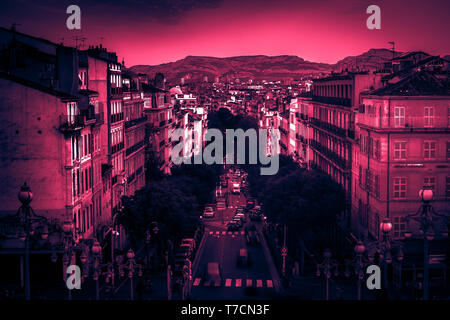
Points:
[(243, 260), (240, 216), (236, 189), (238, 221), (208, 212), (233, 226)]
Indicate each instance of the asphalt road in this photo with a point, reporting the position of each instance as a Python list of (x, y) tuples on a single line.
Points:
[(223, 246)]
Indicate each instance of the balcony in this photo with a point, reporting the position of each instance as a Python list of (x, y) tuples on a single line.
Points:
[(332, 156), (332, 100), (332, 128), (117, 147), (71, 123), (134, 148), (135, 122), (116, 117), (99, 118), (301, 138)]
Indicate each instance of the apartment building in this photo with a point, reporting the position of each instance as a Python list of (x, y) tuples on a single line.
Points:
[(158, 111), (135, 121), (404, 134), (300, 130), (334, 100)]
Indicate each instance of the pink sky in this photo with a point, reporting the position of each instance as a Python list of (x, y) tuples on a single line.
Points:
[(322, 31)]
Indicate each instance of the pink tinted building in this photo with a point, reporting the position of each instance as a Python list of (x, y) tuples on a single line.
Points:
[(404, 145)]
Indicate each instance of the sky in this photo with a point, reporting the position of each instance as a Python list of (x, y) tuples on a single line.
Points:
[(154, 32)]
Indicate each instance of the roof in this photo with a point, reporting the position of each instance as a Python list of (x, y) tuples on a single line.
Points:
[(404, 72), (151, 88), (88, 92), (422, 83), (38, 86), (407, 55)]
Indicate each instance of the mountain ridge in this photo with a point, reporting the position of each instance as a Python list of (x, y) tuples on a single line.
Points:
[(260, 66)]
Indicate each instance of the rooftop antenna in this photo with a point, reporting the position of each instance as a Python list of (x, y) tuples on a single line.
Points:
[(101, 41), (393, 48), (77, 38), (83, 39)]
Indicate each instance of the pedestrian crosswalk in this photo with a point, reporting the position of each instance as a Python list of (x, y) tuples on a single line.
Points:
[(223, 233), (236, 283)]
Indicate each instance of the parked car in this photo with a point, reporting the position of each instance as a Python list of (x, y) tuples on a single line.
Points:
[(208, 212)]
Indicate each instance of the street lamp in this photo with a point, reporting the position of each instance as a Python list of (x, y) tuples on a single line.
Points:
[(132, 267), (384, 248), (328, 267), (359, 263), (426, 216), (96, 250), (30, 223)]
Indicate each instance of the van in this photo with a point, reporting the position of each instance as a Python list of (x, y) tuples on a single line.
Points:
[(213, 274)]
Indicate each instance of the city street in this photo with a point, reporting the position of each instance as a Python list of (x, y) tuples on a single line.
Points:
[(223, 247)]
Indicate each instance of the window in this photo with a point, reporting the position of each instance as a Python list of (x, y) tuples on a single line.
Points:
[(400, 150), (429, 117), (399, 224), (430, 182), (399, 188), (448, 150), (447, 187), (429, 149), (399, 116), (376, 149)]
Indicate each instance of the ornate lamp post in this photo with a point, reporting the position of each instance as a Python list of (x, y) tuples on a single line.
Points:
[(384, 248), (132, 267), (426, 216), (328, 267), (359, 263), (30, 224), (97, 253)]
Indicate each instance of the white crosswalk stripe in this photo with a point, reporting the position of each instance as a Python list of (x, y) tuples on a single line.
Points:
[(237, 283)]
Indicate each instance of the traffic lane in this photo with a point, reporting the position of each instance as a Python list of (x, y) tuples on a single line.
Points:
[(222, 249)]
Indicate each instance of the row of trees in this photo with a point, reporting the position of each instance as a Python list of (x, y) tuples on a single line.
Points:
[(173, 201), (307, 201)]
